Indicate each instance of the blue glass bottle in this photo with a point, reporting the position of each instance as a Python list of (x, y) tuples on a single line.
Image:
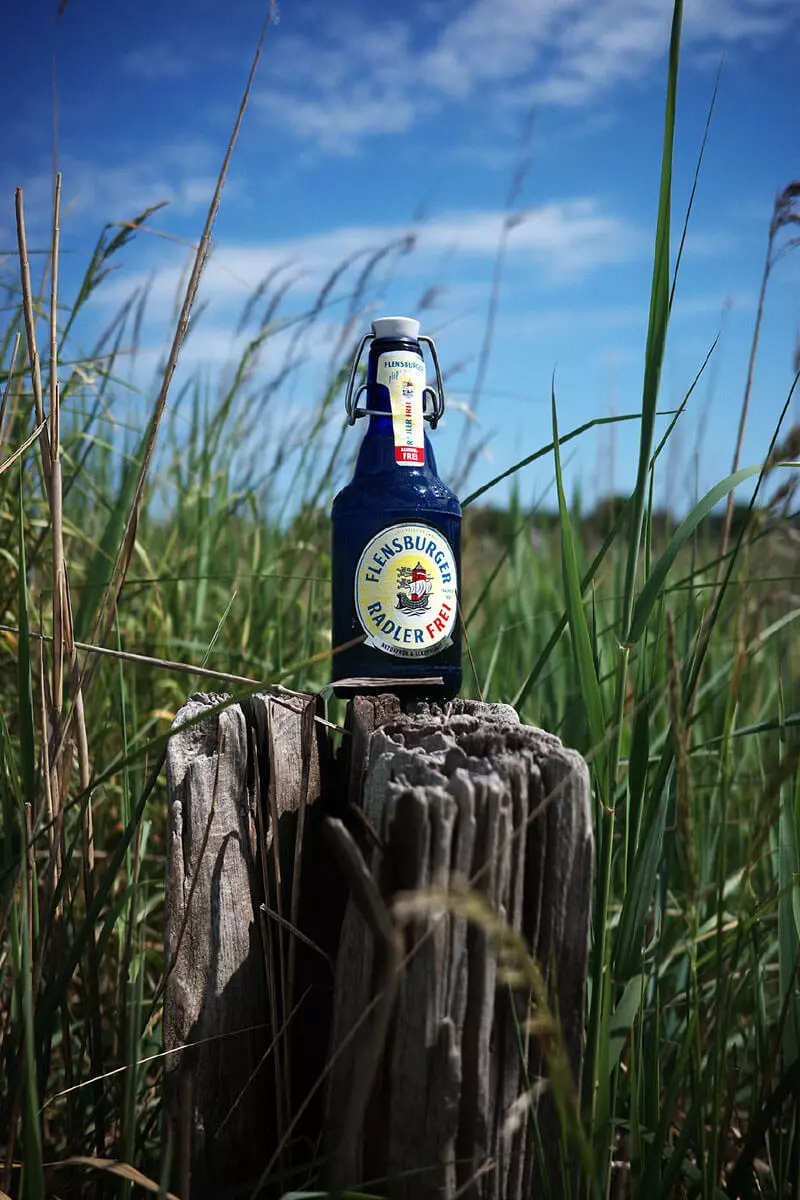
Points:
[(396, 533)]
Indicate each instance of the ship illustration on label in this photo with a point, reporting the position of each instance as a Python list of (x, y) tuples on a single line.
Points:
[(417, 599)]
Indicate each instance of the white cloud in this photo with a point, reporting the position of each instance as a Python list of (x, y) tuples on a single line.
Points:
[(120, 192), (158, 61), (163, 58), (340, 123), (357, 80), (213, 343), (564, 240), (181, 173)]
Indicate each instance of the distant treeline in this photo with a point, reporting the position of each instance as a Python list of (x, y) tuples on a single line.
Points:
[(501, 523)]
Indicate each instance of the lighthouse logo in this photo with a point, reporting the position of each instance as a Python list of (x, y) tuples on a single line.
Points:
[(418, 597)]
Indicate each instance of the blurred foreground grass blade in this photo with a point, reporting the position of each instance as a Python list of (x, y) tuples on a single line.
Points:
[(326, 1196), (121, 1170), (581, 641)]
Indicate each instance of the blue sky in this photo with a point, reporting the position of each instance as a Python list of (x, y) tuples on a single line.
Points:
[(370, 125)]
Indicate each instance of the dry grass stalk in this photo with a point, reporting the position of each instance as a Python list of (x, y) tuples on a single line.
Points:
[(56, 489), (63, 642), (52, 705), (784, 214), (30, 331), (517, 969), (120, 1170), (20, 450), (181, 668), (51, 876)]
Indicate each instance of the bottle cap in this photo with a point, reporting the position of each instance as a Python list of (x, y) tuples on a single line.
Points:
[(396, 327)]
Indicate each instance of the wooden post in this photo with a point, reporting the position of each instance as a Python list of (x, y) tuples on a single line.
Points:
[(241, 783), (321, 1024)]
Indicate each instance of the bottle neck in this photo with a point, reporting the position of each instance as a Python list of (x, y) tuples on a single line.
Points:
[(383, 354), (396, 439)]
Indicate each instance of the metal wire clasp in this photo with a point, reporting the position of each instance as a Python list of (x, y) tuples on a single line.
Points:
[(436, 394)]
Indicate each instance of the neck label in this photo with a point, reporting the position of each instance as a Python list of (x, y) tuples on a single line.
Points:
[(404, 376), (406, 591)]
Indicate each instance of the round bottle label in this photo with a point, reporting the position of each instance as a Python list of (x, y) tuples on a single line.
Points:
[(405, 591)]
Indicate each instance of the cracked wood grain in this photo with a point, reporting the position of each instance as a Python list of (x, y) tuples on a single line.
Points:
[(465, 793), (425, 1094)]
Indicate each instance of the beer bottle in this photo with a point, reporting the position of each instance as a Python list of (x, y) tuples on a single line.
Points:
[(396, 557)]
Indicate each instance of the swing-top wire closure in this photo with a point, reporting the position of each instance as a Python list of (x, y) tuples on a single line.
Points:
[(436, 396)]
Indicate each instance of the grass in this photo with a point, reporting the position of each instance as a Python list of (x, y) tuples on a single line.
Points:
[(661, 651)]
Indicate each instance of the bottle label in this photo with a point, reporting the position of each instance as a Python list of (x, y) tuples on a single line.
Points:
[(406, 591), (404, 375)]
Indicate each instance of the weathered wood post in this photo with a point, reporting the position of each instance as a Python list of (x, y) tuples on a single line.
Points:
[(322, 1022)]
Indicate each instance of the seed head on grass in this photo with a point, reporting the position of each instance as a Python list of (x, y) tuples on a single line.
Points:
[(517, 969)]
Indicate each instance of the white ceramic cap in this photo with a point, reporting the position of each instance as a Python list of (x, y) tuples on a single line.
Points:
[(396, 327)]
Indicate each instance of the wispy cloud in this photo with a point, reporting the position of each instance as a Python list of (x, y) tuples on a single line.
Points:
[(182, 174), (564, 241), (358, 80), (123, 190), (158, 61)]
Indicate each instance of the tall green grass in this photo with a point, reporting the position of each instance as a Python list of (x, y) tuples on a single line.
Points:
[(663, 654)]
